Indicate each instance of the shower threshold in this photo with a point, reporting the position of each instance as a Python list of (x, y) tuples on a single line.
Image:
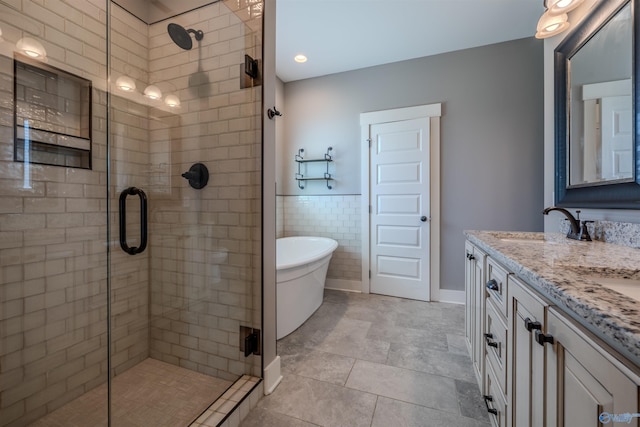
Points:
[(151, 393)]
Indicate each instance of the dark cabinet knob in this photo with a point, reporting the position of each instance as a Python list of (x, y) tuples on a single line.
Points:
[(489, 339), (423, 218), (492, 285), (487, 399), (542, 338), (531, 325)]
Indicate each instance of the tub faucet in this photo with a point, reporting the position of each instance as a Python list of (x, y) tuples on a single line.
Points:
[(578, 229)]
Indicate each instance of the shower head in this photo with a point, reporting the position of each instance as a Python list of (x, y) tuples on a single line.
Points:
[(181, 37)]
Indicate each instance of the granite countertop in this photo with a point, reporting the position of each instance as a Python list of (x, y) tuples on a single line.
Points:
[(567, 272)]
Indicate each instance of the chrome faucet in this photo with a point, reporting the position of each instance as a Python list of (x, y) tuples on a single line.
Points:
[(578, 229)]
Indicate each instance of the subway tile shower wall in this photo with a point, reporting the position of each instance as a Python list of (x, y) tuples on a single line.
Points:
[(205, 268), (53, 301), (337, 217), (205, 264)]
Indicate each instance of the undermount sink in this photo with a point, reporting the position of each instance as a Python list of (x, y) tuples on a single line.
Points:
[(522, 238), (627, 287)]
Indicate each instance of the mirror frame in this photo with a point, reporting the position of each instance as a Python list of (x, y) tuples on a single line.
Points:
[(616, 195)]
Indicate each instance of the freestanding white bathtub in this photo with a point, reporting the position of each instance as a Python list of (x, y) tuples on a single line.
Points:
[(301, 265)]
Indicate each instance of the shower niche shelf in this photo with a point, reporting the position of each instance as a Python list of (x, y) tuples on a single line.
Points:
[(303, 175), (52, 115)]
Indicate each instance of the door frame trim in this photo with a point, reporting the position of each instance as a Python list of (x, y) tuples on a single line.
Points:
[(433, 112)]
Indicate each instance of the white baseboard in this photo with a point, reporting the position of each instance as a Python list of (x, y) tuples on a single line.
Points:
[(272, 376), (343, 285), (447, 295)]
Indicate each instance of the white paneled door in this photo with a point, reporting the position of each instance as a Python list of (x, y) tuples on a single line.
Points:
[(617, 137), (399, 223)]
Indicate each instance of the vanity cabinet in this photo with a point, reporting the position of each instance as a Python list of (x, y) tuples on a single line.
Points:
[(586, 382), (474, 313), (536, 366)]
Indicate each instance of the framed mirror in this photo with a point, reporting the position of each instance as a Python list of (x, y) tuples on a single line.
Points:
[(597, 151)]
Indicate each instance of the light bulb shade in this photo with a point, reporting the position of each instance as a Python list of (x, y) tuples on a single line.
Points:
[(126, 83), (172, 101), (550, 25), (31, 47), (153, 92), (558, 7)]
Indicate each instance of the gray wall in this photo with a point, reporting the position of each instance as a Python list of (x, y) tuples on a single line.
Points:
[(491, 134)]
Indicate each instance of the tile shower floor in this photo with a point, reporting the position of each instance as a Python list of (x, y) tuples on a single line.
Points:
[(152, 393), (375, 361)]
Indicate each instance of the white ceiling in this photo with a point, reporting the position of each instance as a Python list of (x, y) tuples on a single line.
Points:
[(342, 35)]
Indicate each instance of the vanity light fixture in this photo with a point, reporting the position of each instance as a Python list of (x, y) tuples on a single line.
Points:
[(153, 92), (555, 19), (300, 58), (172, 101), (550, 25), (558, 7), (31, 47), (126, 83)]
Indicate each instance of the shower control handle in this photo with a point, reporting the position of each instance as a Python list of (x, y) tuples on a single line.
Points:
[(197, 175)]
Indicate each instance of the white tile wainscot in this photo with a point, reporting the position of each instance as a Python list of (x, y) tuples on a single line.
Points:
[(336, 217)]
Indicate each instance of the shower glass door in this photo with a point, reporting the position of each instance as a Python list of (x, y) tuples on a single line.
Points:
[(126, 290), (53, 222)]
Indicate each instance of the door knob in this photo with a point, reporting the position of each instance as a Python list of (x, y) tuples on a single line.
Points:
[(423, 218)]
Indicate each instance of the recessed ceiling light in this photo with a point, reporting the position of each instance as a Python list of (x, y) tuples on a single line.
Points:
[(300, 58)]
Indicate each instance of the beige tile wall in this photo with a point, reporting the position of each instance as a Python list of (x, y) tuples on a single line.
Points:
[(205, 265), (53, 256), (53, 271), (129, 154)]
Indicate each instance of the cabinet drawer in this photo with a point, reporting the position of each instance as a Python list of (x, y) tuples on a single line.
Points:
[(496, 286), (495, 400), (495, 344)]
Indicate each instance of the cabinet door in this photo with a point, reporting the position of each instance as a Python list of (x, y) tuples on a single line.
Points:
[(495, 400), (496, 341), (477, 295), (586, 384), (474, 313), (469, 269), (528, 364)]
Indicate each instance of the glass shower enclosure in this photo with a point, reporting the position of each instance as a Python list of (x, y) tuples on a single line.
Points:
[(130, 208)]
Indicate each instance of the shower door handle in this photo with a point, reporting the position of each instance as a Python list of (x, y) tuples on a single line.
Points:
[(123, 220)]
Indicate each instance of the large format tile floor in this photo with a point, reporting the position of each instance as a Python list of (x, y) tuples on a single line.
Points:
[(371, 360)]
